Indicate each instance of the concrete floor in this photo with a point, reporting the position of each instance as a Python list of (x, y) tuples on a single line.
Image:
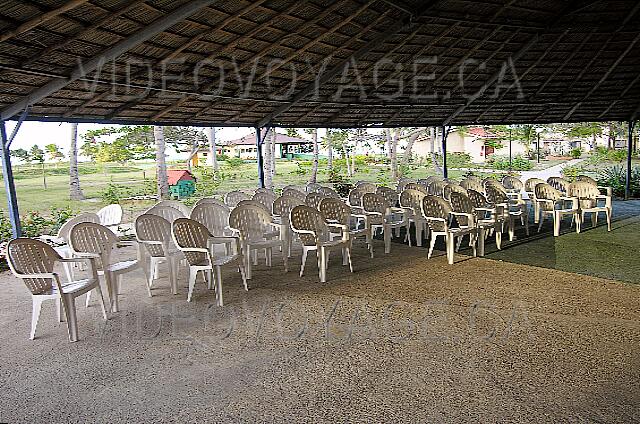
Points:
[(403, 339)]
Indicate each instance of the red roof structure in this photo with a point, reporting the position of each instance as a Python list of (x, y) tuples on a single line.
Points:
[(175, 175)]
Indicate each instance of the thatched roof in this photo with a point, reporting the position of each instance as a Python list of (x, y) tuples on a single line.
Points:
[(574, 60)]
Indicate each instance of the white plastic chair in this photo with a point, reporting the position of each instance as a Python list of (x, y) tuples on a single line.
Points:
[(257, 231), (232, 198), (418, 187), (530, 189), (110, 215), (608, 191), (512, 208), (154, 233), (552, 202), (392, 197), (194, 240), (167, 212), (33, 261), (216, 218), (266, 197), (313, 200), (312, 187), (436, 187), (472, 184), (338, 214), (463, 208), (411, 202), (313, 230), (184, 209), (452, 188), (402, 182), (366, 186), (378, 216), (437, 213), (62, 240), (292, 192), (328, 192), (96, 241), (559, 183), (588, 196), (209, 200), (281, 209)]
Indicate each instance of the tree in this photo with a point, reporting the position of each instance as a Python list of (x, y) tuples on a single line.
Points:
[(585, 130), (36, 154), (21, 154), (130, 143), (53, 151), (161, 164), (75, 192), (186, 139), (213, 150)]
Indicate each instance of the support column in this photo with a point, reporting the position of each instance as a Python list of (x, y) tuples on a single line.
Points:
[(259, 141), (627, 188), (445, 171), (10, 188)]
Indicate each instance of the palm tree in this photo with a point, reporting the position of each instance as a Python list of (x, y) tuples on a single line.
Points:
[(213, 148), (75, 192), (161, 163)]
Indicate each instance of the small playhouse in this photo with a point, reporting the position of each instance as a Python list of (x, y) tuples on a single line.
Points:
[(182, 183)]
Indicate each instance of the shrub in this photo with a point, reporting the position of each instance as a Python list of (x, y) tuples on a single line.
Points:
[(456, 160), (340, 184), (571, 172), (518, 163), (576, 153), (616, 177), (234, 162), (301, 169)]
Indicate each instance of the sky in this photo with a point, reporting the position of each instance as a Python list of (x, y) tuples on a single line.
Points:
[(43, 133)]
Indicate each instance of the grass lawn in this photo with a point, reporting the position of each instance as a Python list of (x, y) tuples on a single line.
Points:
[(32, 196)]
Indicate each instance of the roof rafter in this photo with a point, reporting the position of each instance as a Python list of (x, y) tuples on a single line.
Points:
[(339, 68), (38, 20)]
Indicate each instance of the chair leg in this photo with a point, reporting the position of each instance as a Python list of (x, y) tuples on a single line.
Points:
[(86, 303), (255, 257), (608, 213), (173, 270), (418, 233), (103, 304), (540, 221), (36, 307), (285, 260), (386, 233), (67, 271), (345, 261), (304, 259), (594, 219), (110, 291), (348, 249), (269, 256), (243, 274), (59, 309), (192, 282), (70, 313), (450, 240), (432, 244), (247, 258), (219, 278), (556, 223), (323, 265)]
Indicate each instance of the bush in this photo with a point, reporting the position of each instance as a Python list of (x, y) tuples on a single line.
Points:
[(35, 224), (302, 168), (340, 184), (234, 162), (616, 178), (518, 163), (456, 160), (576, 153), (571, 172)]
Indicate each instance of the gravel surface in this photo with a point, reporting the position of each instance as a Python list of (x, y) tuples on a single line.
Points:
[(403, 339)]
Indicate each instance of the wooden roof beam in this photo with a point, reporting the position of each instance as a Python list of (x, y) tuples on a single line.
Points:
[(111, 53), (39, 20), (336, 70)]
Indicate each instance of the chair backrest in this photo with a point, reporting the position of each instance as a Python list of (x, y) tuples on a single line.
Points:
[(232, 198), (558, 183), (586, 179), (412, 199), (477, 198), (531, 183), (313, 187), (167, 212), (372, 202), (366, 187), (402, 182), (213, 216), (29, 256), (436, 207), (283, 205), (176, 205), (210, 200), (313, 200), (153, 228), (460, 202), (254, 203), (110, 215), (355, 197), (545, 191), (586, 193), (88, 237), (251, 221), (266, 198), (391, 195), (305, 219), (436, 187), (512, 183), (64, 231), (292, 192), (328, 192), (472, 184), (292, 187), (335, 210), (417, 187), (188, 233), (453, 188), (496, 193)]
